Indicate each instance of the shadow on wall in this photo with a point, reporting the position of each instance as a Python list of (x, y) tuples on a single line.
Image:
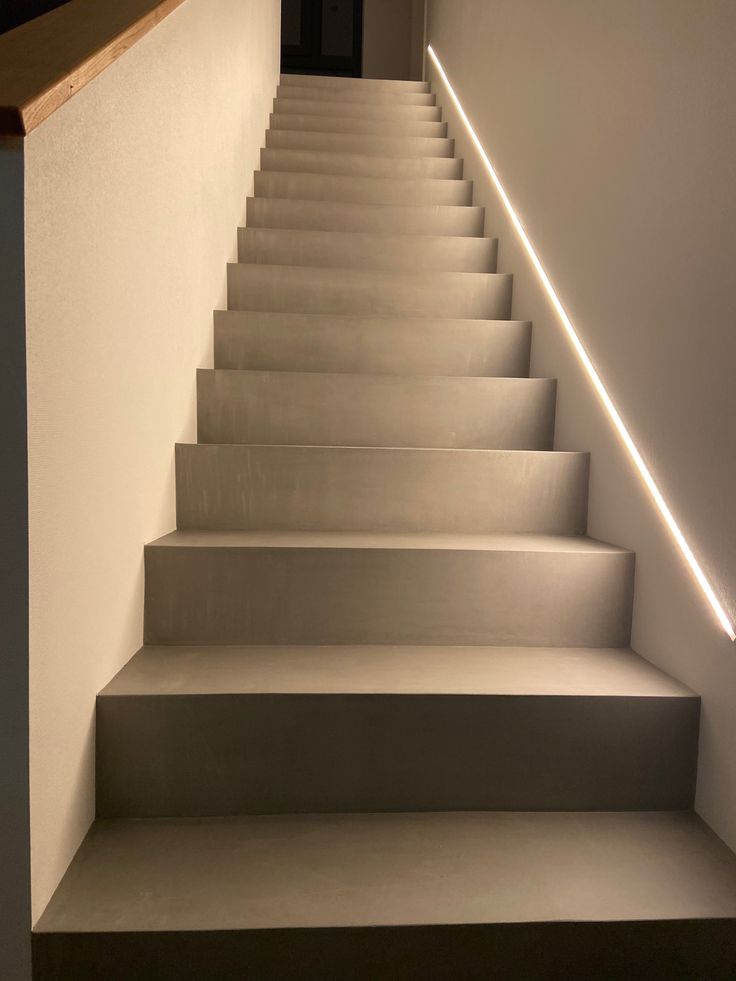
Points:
[(17, 12)]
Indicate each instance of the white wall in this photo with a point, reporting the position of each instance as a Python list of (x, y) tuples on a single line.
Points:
[(134, 191), (393, 36), (612, 128)]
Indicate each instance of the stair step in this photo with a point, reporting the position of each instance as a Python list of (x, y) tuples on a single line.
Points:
[(377, 146), (272, 730), (340, 409), (354, 125), (377, 345), (374, 97), (346, 216), (362, 190), (367, 250), (239, 587), (361, 165), (329, 488), (354, 84), (493, 896), (378, 292), (389, 111)]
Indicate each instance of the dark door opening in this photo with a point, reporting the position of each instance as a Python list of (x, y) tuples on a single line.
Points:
[(322, 37)]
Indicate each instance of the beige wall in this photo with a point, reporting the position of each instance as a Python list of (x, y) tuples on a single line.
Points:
[(393, 38), (134, 191), (612, 128)]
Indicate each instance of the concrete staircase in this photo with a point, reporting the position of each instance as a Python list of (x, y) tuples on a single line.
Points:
[(386, 723)]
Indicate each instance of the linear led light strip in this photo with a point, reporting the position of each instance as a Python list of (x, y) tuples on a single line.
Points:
[(588, 365)]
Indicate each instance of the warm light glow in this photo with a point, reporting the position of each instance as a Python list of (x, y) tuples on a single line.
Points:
[(588, 365)]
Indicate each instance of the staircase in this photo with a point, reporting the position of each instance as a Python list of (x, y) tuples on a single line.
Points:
[(386, 723)]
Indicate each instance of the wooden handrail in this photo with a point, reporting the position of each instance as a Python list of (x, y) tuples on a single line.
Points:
[(48, 60)]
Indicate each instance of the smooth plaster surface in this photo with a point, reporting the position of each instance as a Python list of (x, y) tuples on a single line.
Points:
[(393, 31), (134, 191), (614, 136)]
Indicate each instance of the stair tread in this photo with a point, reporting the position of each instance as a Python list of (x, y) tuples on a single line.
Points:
[(364, 274), (518, 542), (344, 870), (392, 670), (339, 319), (298, 448)]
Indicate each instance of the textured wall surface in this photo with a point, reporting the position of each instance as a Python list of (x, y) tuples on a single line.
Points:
[(134, 191), (612, 128)]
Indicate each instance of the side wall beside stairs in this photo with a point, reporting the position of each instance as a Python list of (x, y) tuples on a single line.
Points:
[(610, 126), (134, 192)]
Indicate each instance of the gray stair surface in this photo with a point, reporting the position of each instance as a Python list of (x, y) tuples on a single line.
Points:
[(346, 216), (478, 896), (340, 409), (367, 85), (270, 341), (353, 124), (311, 92), (367, 250), (361, 165), (390, 112), (361, 189), (362, 143), (323, 488), (386, 724), (283, 730), (305, 289), (260, 587)]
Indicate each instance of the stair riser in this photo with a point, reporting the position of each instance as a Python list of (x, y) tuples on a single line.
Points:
[(382, 294), (672, 950), (390, 112), (327, 489), (271, 754), (373, 98), (303, 342), (365, 85), (357, 165), (310, 595), (373, 146), (352, 125), (308, 408), (334, 216), (363, 190), (361, 250)]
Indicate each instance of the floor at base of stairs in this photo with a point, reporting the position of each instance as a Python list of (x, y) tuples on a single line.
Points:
[(440, 895)]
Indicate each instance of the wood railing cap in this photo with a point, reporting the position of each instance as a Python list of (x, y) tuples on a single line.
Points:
[(46, 61)]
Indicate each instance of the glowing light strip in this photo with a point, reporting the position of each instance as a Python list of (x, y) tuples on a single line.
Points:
[(588, 365)]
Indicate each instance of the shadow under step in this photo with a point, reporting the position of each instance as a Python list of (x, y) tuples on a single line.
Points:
[(477, 896), (365, 143), (377, 292), (259, 340), (329, 488), (361, 165), (358, 95), (267, 587), (391, 112), (345, 216), (192, 732), (310, 408), (362, 190), (367, 250), (356, 125), (350, 84)]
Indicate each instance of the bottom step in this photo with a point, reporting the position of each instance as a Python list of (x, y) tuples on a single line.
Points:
[(489, 895)]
